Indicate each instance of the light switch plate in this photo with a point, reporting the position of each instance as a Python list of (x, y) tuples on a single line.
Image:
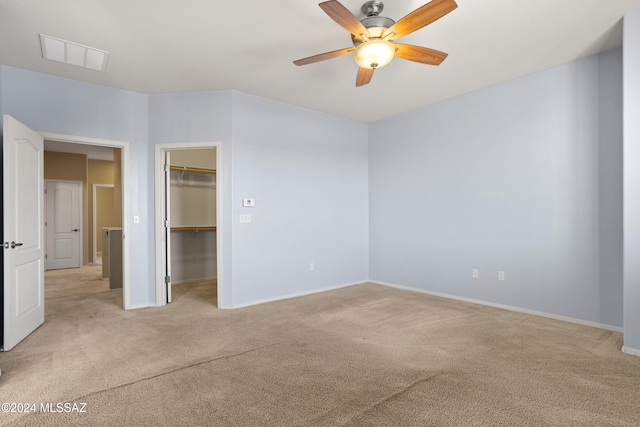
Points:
[(245, 219), (248, 203)]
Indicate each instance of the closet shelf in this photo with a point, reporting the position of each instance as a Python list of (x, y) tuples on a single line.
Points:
[(193, 228), (188, 169)]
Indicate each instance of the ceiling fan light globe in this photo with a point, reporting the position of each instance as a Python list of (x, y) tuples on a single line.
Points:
[(374, 53)]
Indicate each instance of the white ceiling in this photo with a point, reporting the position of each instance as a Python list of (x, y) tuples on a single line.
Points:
[(162, 46)]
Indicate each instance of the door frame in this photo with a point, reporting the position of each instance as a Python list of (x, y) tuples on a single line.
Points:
[(80, 216), (94, 209), (124, 145), (160, 150)]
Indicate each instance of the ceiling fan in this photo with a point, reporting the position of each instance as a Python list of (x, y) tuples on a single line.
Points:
[(373, 37)]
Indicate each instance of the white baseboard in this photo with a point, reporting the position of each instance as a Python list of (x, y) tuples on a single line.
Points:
[(504, 307), (298, 294), (631, 351)]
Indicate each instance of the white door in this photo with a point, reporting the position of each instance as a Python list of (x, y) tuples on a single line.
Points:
[(23, 198), (167, 223), (64, 209)]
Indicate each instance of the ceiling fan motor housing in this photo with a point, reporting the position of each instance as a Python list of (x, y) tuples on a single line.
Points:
[(373, 22)]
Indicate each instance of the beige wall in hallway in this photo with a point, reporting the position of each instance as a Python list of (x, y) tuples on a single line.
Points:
[(117, 185), (100, 172), (105, 214)]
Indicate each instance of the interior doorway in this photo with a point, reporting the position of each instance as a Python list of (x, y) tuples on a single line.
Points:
[(188, 209), (69, 145)]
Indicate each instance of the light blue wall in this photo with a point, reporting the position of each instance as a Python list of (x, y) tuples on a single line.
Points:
[(53, 104), (308, 174), (610, 194), (1, 109), (632, 181), (509, 178)]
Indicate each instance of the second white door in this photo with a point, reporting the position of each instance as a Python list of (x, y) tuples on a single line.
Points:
[(64, 208)]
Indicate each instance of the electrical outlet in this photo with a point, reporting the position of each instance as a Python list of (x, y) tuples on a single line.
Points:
[(312, 266), (474, 273), (245, 219), (501, 276)]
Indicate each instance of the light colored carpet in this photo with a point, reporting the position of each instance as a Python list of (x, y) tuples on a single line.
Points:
[(365, 355)]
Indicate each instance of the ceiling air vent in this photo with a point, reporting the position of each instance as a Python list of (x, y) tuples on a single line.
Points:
[(73, 53)]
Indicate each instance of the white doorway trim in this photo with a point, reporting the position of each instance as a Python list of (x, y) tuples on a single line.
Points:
[(80, 216), (95, 208), (160, 150), (124, 145)]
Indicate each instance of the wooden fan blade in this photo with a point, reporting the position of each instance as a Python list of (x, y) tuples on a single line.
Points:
[(421, 17), (324, 56), (364, 76), (344, 18), (420, 54)]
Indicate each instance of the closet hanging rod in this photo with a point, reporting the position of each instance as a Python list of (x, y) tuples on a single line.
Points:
[(193, 228), (184, 168)]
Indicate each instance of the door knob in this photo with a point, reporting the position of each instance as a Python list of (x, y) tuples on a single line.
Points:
[(14, 244), (75, 229)]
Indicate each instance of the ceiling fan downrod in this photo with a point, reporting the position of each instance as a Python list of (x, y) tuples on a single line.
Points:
[(372, 8)]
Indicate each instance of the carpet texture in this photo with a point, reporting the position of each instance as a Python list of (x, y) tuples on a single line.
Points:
[(365, 355)]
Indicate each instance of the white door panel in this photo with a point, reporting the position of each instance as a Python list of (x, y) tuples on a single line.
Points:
[(23, 166), (63, 248), (64, 209), (27, 289)]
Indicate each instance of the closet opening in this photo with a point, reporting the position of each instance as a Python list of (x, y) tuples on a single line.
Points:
[(187, 206)]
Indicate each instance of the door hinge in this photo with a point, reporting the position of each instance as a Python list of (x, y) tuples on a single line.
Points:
[(166, 168), (167, 279), (166, 223)]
